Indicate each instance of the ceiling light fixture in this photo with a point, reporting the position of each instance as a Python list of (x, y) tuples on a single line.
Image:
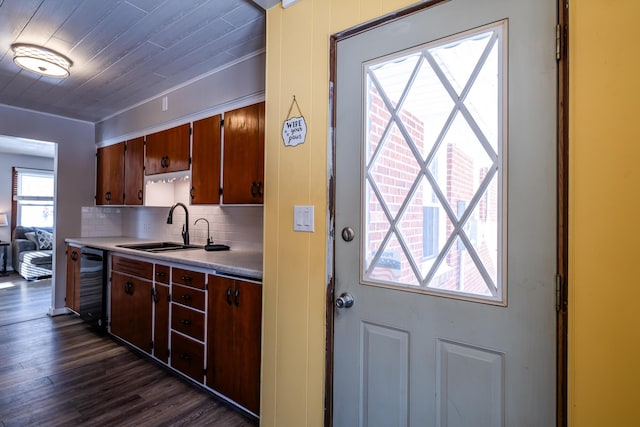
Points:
[(41, 60)]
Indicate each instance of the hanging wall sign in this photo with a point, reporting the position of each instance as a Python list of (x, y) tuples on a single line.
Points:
[(294, 129)]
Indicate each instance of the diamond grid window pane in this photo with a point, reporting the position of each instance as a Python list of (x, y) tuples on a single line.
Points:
[(433, 167)]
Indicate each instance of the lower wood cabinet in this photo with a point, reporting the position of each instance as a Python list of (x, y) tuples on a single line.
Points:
[(161, 322), (234, 325), (131, 310), (187, 356), (72, 298), (205, 326)]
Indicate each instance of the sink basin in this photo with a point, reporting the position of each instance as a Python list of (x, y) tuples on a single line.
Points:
[(159, 246)]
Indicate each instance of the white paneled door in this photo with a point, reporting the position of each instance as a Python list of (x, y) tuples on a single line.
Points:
[(446, 218)]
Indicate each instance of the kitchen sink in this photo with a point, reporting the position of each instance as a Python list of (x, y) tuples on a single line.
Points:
[(159, 246)]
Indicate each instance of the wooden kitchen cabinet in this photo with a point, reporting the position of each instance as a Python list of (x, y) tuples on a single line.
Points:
[(134, 172), (233, 339), (110, 175), (72, 298), (168, 150), (131, 301), (187, 356), (161, 322), (243, 167), (188, 322), (205, 167)]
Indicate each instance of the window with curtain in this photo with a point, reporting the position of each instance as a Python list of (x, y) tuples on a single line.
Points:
[(32, 197)]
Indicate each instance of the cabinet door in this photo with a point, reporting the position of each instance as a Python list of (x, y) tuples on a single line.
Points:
[(247, 337), (161, 325), (110, 175), (221, 354), (131, 310), (234, 335), (168, 150), (72, 298), (205, 169), (134, 172), (243, 167)]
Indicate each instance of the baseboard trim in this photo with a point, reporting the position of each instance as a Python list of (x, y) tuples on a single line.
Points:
[(58, 311)]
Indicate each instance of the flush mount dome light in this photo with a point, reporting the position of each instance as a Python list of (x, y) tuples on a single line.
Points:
[(41, 60)]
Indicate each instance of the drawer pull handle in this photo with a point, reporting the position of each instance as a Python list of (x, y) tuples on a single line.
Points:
[(185, 356), (185, 322), (161, 274), (186, 278), (236, 297), (186, 297), (229, 296)]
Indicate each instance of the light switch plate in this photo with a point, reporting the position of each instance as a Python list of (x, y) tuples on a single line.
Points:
[(303, 218)]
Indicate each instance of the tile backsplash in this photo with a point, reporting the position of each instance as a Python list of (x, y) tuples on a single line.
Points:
[(237, 226)]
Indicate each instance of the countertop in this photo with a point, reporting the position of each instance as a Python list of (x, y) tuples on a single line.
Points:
[(234, 262)]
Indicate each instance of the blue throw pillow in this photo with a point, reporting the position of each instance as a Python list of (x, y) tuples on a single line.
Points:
[(44, 238)]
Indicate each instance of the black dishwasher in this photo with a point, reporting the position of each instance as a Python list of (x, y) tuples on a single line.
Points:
[(93, 271)]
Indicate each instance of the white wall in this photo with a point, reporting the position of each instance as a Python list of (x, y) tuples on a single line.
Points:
[(7, 162), (75, 169), (240, 227), (238, 85)]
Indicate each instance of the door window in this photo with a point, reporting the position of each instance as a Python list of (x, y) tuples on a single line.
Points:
[(435, 167)]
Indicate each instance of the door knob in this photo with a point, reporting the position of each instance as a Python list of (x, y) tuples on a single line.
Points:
[(345, 300)]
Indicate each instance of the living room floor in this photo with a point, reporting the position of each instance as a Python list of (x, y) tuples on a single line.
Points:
[(22, 300)]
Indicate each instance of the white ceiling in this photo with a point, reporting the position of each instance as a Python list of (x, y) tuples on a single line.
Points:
[(124, 52)]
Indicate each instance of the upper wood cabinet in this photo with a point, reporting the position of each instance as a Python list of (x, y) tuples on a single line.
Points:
[(168, 150), (110, 175), (205, 167), (243, 168), (134, 172)]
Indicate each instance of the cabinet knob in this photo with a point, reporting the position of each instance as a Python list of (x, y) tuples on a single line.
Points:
[(186, 297), (185, 322)]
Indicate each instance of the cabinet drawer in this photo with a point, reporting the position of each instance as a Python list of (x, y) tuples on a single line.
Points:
[(187, 321), (162, 273), (188, 296), (187, 356), (132, 266), (188, 278)]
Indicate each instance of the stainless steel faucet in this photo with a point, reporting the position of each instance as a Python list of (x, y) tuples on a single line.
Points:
[(185, 227)]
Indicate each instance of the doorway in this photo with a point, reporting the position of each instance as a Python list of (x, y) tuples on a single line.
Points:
[(28, 167), (444, 274)]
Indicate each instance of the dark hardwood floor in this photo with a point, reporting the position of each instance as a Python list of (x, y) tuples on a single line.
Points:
[(22, 300), (55, 371)]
